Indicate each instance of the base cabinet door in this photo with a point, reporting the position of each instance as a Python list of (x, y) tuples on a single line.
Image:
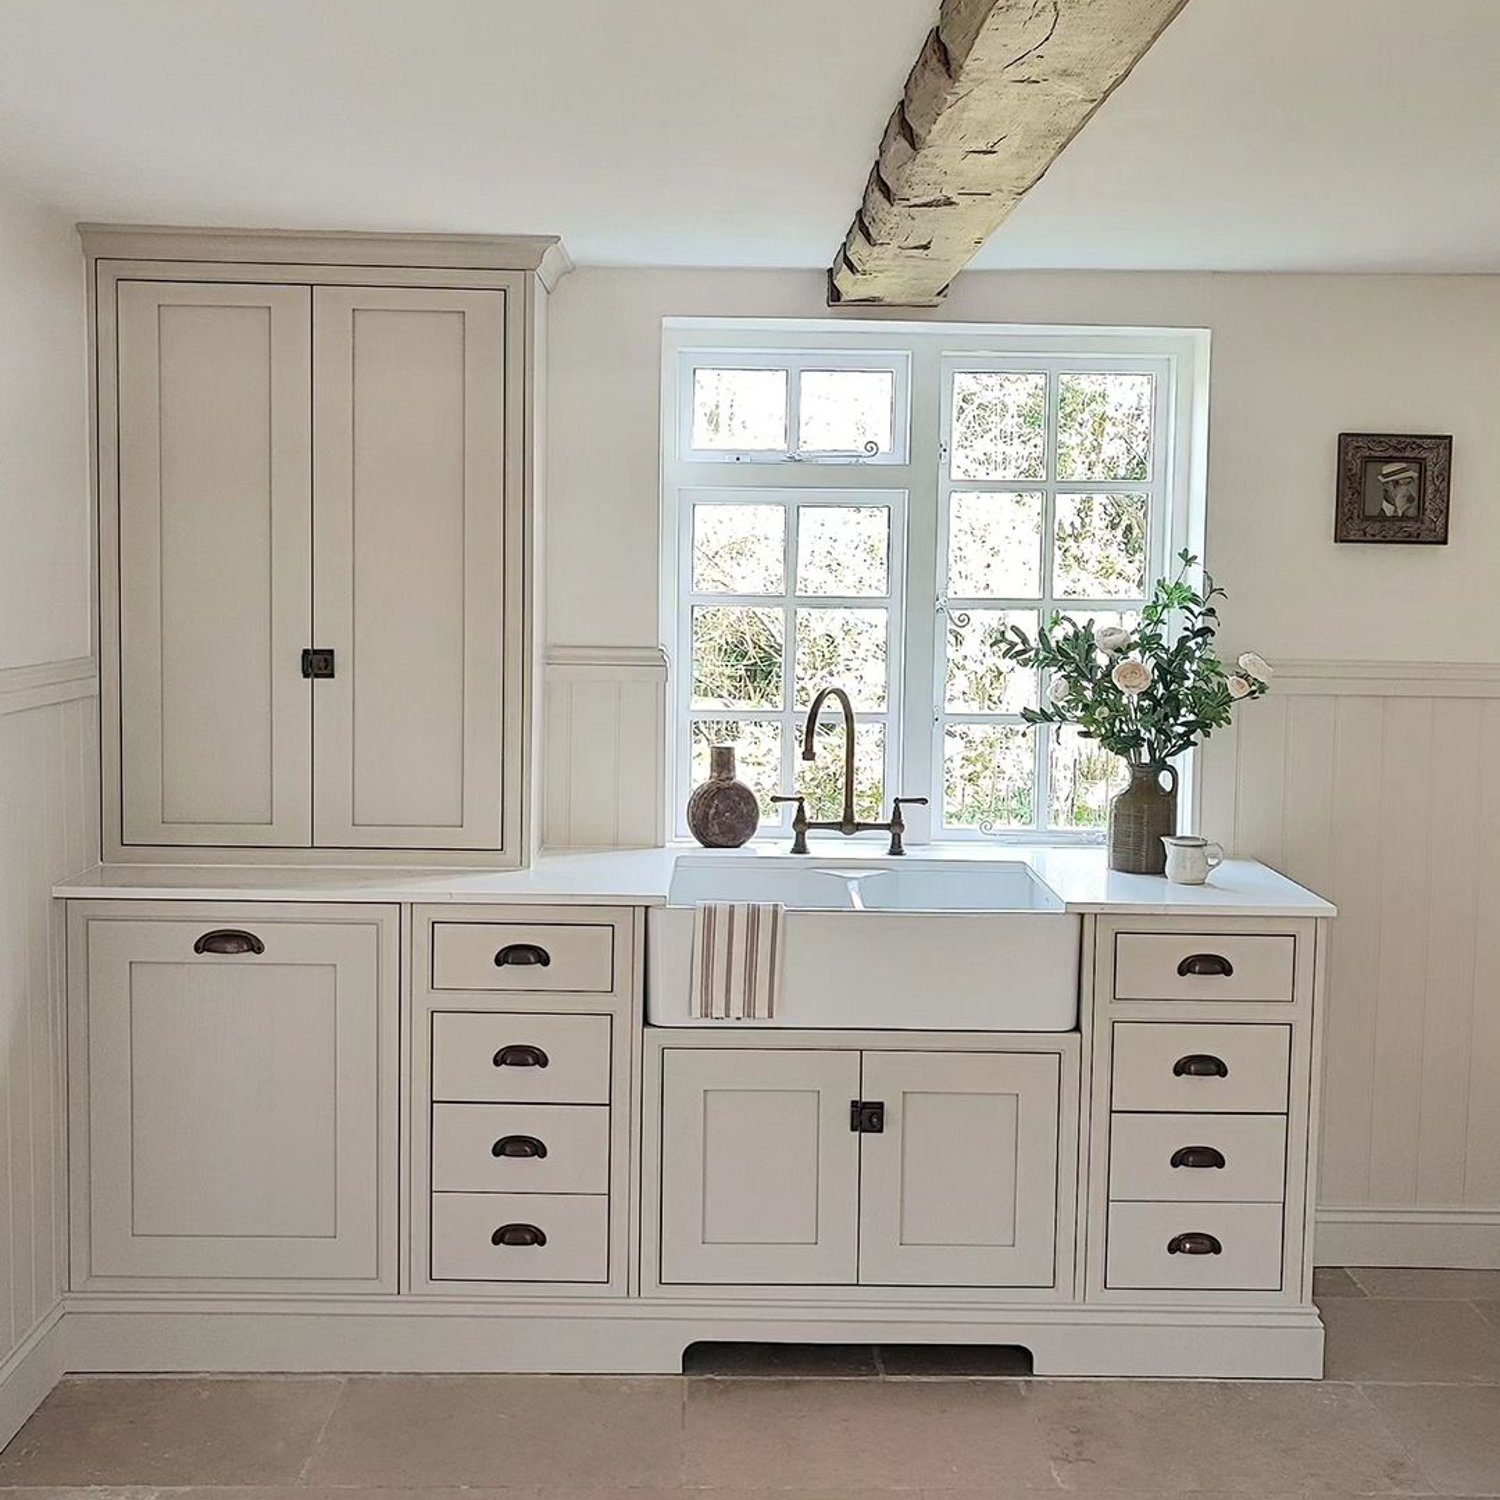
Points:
[(760, 1170), (232, 1126), (960, 1187)]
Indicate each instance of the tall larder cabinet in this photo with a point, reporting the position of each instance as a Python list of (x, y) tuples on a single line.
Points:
[(317, 514)]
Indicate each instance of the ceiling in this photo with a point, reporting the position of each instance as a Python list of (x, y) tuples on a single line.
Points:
[(1258, 134)]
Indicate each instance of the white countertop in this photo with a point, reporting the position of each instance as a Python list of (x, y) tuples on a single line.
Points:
[(640, 877)]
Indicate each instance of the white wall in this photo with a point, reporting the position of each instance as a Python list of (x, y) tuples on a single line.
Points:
[(44, 514)]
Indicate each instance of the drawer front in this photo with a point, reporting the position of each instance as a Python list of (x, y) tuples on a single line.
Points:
[(575, 1229), (1149, 1244), (515, 1058), (1204, 966), (1225, 1069), (520, 1148), (1198, 1158), (538, 957)]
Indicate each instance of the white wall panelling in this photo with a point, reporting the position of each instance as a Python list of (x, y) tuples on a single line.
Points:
[(1374, 784), (605, 752)]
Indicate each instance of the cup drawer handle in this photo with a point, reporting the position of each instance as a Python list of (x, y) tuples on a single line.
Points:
[(1200, 1065), (229, 940), (518, 1234), (521, 1055), (1194, 1244), (523, 955), (519, 1146), (1197, 1156), (1205, 966)]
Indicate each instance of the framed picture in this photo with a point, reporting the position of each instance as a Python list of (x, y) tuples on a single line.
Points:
[(1392, 489)]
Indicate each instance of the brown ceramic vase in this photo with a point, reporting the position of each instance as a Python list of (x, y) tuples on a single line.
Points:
[(722, 813), (1139, 818)]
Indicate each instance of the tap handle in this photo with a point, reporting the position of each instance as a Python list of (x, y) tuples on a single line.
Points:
[(898, 823), (799, 822)]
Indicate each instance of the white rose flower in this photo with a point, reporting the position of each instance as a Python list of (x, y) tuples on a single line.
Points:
[(1131, 676), (1058, 690), (1238, 687), (1112, 639), (1254, 665)]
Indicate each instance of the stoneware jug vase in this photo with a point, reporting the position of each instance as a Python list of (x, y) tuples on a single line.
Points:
[(723, 812), (1140, 817)]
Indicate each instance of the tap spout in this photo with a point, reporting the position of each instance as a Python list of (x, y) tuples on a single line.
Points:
[(848, 823)]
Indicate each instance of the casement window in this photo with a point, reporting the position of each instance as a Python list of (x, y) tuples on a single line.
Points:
[(873, 506)]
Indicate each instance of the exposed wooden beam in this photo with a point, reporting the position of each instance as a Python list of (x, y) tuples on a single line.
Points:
[(1000, 88)]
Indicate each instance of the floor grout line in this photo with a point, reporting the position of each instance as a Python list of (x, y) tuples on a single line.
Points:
[(317, 1442)]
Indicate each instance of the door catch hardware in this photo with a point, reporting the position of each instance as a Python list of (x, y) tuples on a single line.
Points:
[(317, 662), (867, 1116)]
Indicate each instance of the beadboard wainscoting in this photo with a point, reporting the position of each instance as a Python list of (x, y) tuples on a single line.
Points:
[(1375, 784), (605, 748), (49, 799)]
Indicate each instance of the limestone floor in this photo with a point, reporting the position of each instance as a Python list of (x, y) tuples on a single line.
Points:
[(1411, 1406)]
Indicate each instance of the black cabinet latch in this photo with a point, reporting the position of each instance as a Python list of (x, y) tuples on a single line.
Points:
[(317, 663), (867, 1116)]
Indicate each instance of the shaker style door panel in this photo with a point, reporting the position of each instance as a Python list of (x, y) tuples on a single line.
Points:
[(410, 579), (960, 1188), (760, 1170), (214, 461), (234, 1128)]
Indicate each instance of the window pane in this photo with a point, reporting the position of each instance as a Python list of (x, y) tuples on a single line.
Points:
[(1083, 778), (741, 409), (737, 658), (1100, 547), (842, 648), (846, 411), (988, 772), (994, 546), (1104, 426), (999, 426), (980, 680), (822, 782), (757, 752), (739, 549), (842, 549)]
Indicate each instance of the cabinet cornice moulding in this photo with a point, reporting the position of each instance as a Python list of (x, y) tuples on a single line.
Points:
[(543, 254), (609, 658), (1389, 679), (36, 686)]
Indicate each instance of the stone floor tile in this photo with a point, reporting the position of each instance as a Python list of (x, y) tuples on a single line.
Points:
[(502, 1431), (1334, 1281), (1397, 1340), (1238, 1438), (1410, 1281), (780, 1361), (165, 1431), (1489, 1311), (1453, 1434), (853, 1436)]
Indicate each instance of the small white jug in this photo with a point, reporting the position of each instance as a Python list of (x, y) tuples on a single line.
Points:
[(1189, 859)]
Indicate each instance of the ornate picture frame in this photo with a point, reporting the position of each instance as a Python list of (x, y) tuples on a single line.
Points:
[(1392, 488)]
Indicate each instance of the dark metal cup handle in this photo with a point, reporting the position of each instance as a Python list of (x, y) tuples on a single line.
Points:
[(1205, 966), (523, 955), (1200, 1065), (518, 1234), (1197, 1156), (521, 1055), (1194, 1244), (229, 940), (519, 1145)]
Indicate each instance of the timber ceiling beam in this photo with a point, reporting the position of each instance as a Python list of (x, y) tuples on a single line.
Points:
[(1000, 88)]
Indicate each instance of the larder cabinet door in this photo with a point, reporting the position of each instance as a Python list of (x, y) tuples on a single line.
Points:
[(410, 546), (760, 1171), (214, 474), (229, 1125), (960, 1189)]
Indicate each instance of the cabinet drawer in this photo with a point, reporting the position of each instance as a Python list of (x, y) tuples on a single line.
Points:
[(505, 1058), (574, 1228), (1198, 1158), (520, 1148), (1149, 1243), (538, 957), (1204, 966), (1229, 1069)]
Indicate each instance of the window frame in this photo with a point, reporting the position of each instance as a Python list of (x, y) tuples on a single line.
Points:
[(917, 689)]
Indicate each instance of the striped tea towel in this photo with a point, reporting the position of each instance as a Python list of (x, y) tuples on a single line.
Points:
[(738, 951)]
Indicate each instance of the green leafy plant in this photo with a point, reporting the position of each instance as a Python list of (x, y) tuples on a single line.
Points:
[(1147, 693)]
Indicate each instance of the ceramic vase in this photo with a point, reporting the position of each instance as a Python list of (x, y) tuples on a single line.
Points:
[(722, 813), (1140, 817)]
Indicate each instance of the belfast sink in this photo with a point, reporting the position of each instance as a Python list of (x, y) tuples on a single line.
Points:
[(947, 945)]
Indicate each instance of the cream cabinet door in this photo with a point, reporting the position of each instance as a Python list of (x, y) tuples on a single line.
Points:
[(409, 581), (760, 1170), (214, 492), (232, 1126), (960, 1188)]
